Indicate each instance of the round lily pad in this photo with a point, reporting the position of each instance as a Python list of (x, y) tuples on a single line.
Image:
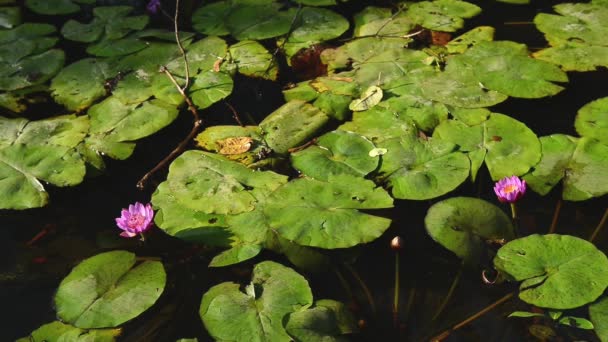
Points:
[(598, 312), (109, 289), (556, 271), (336, 152), (592, 120), (464, 225), (58, 331), (257, 313)]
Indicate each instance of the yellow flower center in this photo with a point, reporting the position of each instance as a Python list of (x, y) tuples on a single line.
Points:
[(510, 188)]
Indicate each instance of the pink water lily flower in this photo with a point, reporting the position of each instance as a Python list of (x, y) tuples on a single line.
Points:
[(136, 220), (510, 189)]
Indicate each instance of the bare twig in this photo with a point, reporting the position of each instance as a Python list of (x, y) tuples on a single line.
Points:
[(182, 145), (599, 226), (235, 115), (558, 207), (181, 48), (301, 147)]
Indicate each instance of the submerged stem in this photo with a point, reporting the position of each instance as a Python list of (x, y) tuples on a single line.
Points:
[(558, 208), (449, 294), (599, 226), (471, 318), (368, 294), (515, 218), (396, 294)]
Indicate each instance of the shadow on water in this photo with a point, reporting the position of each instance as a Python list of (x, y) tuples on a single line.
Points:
[(79, 223)]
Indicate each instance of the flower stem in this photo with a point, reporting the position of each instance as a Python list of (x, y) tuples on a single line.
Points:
[(470, 319), (599, 226), (449, 294), (558, 208), (515, 217), (142, 238), (396, 295)]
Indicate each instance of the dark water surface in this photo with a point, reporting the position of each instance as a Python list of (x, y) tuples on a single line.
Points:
[(79, 222)]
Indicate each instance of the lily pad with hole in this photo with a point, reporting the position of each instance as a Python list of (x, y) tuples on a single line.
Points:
[(37, 152), (326, 214), (337, 152), (598, 312), (109, 289), (556, 271), (507, 146), (291, 125), (80, 84), (58, 331), (580, 163), (420, 168), (259, 309), (592, 120), (466, 226)]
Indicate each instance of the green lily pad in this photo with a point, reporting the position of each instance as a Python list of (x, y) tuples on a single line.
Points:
[(31, 70), (464, 225), (577, 36), (19, 100), (324, 214), (57, 331), (441, 15), (417, 168), (55, 7), (109, 289), (378, 21), (592, 120), (80, 84), (556, 271), (117, 47), (470, 38), (260, 20), (579, 163), (336, 152), (25, 40), (312, 26), (32, 152), (10, 17), (117, 122), (210, 19), (215, 139), (251, 59), (210, 87), (291, 125), (274, 292), (381, 123), (326, 321), (214, 185), (598, 312), (509, 146)]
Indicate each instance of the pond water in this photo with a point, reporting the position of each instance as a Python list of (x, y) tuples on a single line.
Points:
[(40, 246)]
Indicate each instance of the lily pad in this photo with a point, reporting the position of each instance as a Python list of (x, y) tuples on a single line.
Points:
[(441, 15), (381, 123), (324, 214), (214, 185), (378, 21), (32, 152), (291, 125), (370, 97), (470, 38), (57, 331), (556, 271), (210, 19), (10, 17), (109, 289), (508, 146), (464, 225), (336, 152), (579, 163), (214, 138), (592, 120), (274, 292), (55, 7), (251, 59), (210, 87), (80, 84), (31, 70), (577, 36), (418, 168), (326, 321), (598, 312), (260, 20)]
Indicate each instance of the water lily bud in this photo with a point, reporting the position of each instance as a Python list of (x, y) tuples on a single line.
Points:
[(397, 243), (510, 189)]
